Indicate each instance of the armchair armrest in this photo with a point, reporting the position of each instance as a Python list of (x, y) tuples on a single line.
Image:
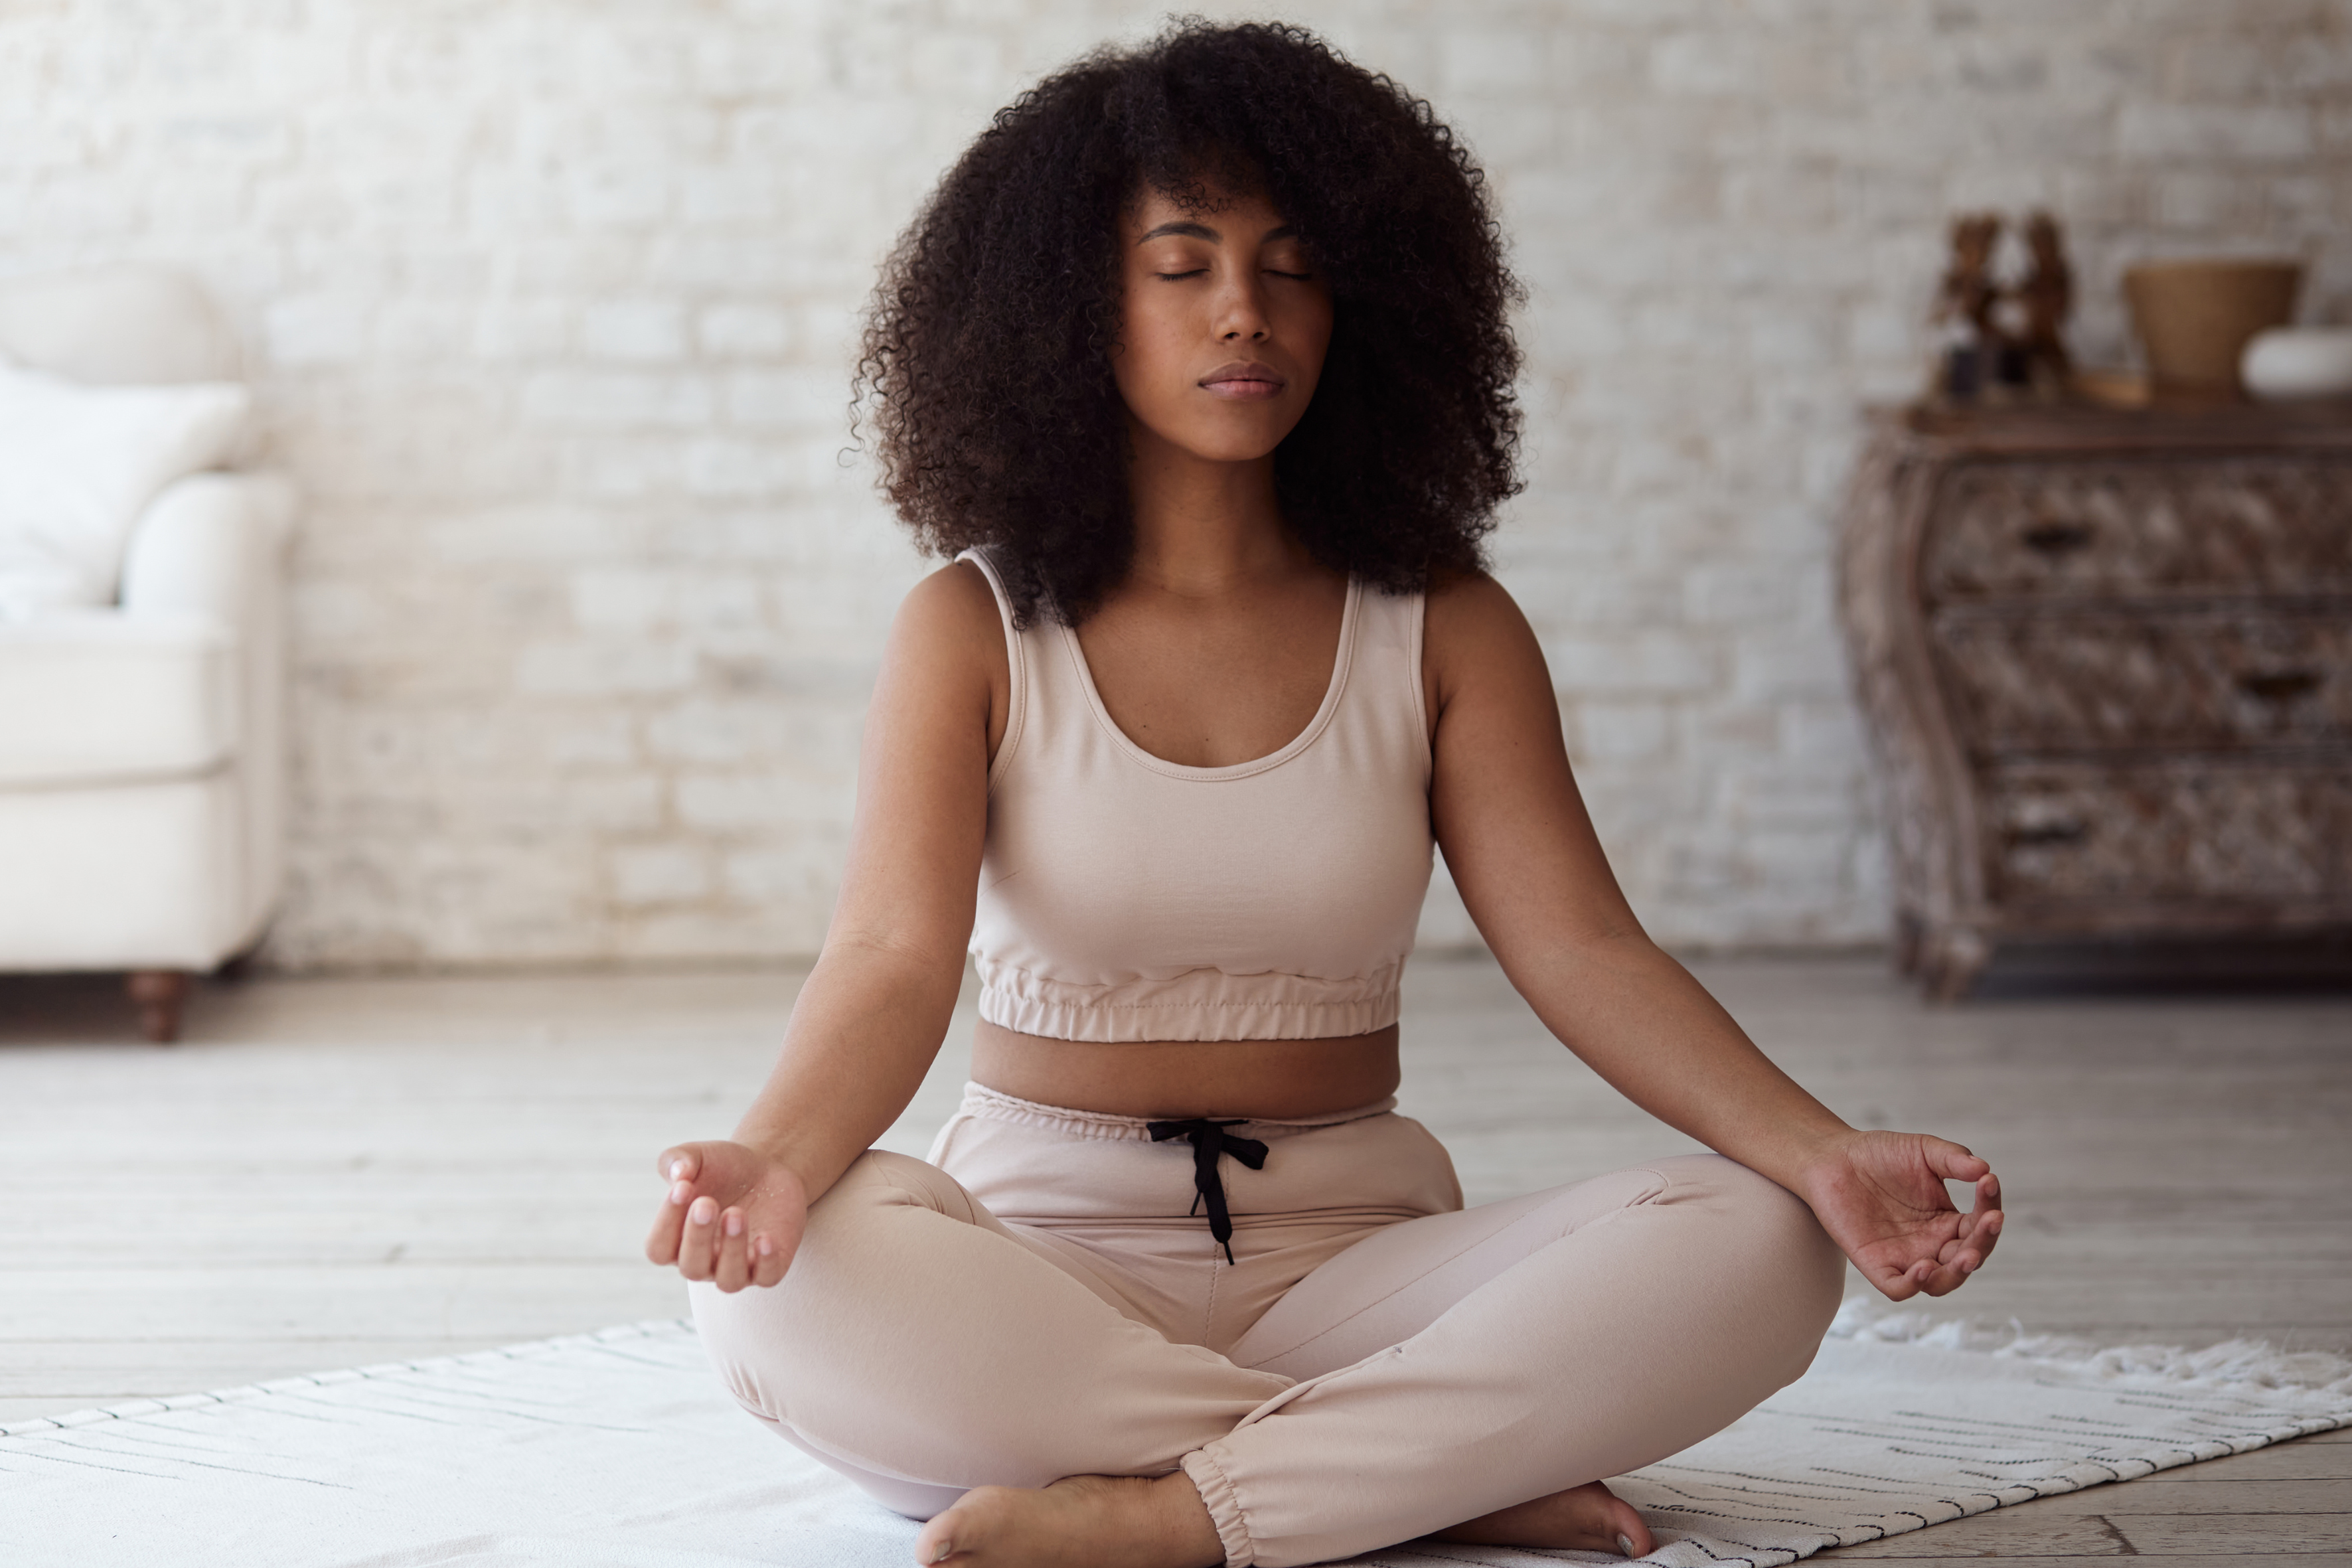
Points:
[(209, 550), (208, 545)]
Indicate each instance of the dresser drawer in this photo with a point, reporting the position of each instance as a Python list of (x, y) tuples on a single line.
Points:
[(2094, 677), (2028, 529), (2059, 832)]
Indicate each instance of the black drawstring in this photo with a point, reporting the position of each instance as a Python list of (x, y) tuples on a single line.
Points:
[(1209, 1138)]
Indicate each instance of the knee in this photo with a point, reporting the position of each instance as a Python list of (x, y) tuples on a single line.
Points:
[(879, 1179), (878, 1190), (1789, 1261), (760, 1338)]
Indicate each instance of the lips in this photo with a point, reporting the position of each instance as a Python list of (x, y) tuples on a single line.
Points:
[(1244, 379)]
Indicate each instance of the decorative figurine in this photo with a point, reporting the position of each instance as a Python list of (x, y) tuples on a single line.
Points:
[(1964, 303), (2002, 341), (2047, 297)]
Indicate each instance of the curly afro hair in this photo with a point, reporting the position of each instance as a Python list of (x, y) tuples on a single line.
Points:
[(985, 377)]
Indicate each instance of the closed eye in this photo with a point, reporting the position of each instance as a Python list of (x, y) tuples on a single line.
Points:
[(1180, 276)]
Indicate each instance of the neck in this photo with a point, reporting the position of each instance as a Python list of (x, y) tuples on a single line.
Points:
[(1201, 525)]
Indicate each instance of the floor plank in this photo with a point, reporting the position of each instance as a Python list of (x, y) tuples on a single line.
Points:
[(2217, 1558), (2155, 1494), (2254, 1535), (2027, 1529), (2161, 1515), (2321, 1456)]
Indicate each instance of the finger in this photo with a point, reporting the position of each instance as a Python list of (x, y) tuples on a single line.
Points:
[(669, 1220), (1951, 1253), (1951, 1277), (1987, 1234), (699, 1252), (767, 1265), (1895, 1285), (681, 1162), (661, 1242), (734, 1269), (1985, 1219)]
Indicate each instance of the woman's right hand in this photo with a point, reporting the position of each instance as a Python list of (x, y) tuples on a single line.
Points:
[(732, 1214)]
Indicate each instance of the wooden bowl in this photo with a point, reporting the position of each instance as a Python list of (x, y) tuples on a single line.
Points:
[(2195, 318)]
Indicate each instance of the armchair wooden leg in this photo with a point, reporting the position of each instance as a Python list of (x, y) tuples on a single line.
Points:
[(159, 995)]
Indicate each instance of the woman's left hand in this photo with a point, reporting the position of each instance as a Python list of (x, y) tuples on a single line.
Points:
[(1881, 1197)]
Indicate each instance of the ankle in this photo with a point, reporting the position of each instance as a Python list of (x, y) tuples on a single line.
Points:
[(1183, 1522)]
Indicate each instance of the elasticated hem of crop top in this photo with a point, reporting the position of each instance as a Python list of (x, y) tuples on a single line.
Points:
[(1193, 1005)]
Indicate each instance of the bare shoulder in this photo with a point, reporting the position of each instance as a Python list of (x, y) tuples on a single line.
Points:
[(954, 600), (952, 616), (1475, 634), (946, 653), (1467, 606)]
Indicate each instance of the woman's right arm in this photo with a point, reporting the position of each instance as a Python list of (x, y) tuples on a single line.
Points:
[(876, 1007)]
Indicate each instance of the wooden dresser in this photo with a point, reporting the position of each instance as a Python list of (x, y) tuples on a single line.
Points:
[(2107, 661)]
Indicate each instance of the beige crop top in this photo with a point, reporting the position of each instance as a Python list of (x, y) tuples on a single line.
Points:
[(1127, 898)]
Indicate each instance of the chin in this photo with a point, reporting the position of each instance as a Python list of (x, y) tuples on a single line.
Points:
[(1234, 454), (1233, 446)]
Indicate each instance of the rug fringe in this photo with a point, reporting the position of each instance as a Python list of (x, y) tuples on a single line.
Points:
[(2240, 1361)]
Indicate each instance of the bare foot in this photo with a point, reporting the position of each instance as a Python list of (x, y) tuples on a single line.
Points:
[(1080, 1522), (1589, 1518)]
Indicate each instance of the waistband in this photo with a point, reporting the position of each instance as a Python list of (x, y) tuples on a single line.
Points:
[(1057, 1166), (990, 1105)]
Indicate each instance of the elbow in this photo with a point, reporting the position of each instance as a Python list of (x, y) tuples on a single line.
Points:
[(912, 953)]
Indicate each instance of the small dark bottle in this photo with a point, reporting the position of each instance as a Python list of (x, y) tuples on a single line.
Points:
[(1964, 368)]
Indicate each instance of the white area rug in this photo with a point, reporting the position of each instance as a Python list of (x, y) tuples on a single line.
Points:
[(618, 1451)]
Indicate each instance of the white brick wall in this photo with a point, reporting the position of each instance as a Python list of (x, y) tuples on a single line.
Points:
[(551, 304)]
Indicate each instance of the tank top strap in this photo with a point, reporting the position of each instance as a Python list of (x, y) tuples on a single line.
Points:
[(1387, 689)]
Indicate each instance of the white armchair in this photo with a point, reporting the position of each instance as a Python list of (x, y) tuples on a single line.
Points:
[(142, 743)]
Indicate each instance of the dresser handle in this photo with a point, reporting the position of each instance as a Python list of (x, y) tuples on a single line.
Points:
[(2043, 835), (2057, 538), (2279, 685)]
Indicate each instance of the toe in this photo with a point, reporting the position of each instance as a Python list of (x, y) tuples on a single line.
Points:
[(1633, 1537), (964, 1532), (935, 1542)]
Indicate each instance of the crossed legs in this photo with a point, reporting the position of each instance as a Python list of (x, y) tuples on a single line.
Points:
[(1440, 1370)]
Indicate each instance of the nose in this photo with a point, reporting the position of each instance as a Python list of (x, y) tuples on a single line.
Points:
[(1241, 311)]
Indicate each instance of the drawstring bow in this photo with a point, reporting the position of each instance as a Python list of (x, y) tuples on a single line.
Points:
[(1209, 1138)]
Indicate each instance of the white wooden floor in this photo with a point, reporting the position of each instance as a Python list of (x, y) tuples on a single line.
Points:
[(332, 1171)]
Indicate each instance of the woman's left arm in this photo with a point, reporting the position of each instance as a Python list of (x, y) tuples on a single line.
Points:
[(1522, 850)]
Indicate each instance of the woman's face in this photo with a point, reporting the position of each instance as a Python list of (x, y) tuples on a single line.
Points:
[(1226, 319)]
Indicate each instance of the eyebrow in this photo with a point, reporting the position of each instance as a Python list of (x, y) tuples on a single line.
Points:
[(1188, 229)]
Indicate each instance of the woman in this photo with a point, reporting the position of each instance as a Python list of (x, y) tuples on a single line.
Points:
[(1199, 357)]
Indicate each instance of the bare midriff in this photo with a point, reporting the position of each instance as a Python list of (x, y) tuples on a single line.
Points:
[(1276, 1080)]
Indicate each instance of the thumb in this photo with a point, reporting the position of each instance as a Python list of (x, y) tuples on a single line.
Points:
[(1951, 1161), (680, 1162)]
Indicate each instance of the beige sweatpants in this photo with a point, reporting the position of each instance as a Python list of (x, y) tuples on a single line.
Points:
[(1377, 1363)]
